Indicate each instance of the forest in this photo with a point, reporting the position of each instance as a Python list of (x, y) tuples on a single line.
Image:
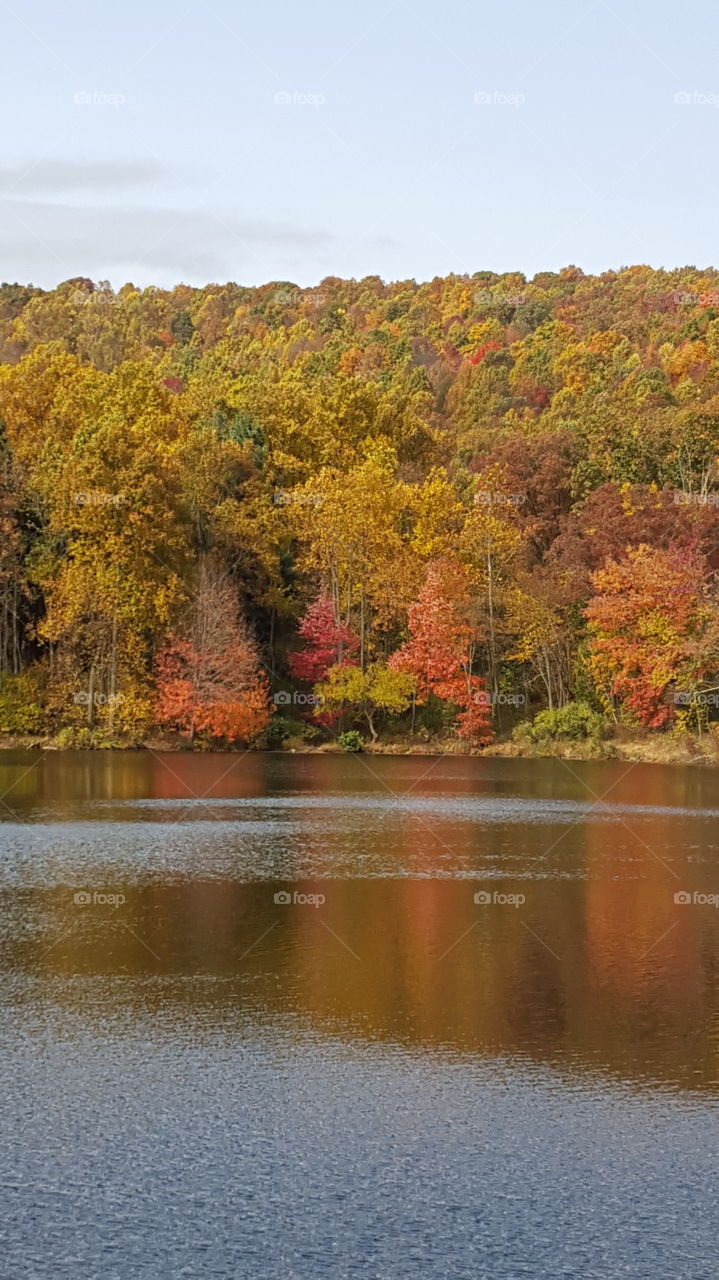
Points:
[(450, 512)]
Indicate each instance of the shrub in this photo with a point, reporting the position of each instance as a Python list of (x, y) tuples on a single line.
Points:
[(74, 738), (351, 740), (20, 710), (575, 722), (281, 729)]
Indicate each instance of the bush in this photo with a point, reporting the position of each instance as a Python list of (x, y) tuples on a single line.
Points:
[(281, 729), (351, 740), (575, 722), (74, 738), (20, 710)]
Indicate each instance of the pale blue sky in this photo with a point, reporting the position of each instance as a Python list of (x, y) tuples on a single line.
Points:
[(144, 141)]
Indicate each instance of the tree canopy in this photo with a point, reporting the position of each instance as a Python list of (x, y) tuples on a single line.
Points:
[(485, 483)]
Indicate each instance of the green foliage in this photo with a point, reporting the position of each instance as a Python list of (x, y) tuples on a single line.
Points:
[(182, 328), (351, 741), (575, 722), (282, 729)]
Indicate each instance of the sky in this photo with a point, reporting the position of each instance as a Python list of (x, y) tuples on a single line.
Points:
[(161, 142)]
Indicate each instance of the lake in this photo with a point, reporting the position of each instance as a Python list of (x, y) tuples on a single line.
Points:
[(304, 1016)]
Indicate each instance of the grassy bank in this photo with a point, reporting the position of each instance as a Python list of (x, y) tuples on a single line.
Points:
[(639, 749)]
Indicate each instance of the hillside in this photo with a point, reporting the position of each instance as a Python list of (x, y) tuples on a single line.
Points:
[(434, 507)]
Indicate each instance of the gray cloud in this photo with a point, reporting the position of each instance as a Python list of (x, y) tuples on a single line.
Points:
[(42, 242), (62, 177)]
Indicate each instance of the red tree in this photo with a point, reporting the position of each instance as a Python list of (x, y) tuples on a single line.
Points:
[(327, 642), (441, 649)]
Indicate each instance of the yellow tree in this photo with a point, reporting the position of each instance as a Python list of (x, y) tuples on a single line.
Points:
[(490, 544), (353, 529), (99, 457)]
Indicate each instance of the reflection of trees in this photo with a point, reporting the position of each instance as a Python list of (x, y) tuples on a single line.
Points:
[(431, 969), (589, 971), (75, 778)]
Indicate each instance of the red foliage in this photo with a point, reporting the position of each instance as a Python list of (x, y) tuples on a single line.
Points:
[(478, 356), (440, 650), (648, 630), (209, 679), (327, 642), (613, 519)]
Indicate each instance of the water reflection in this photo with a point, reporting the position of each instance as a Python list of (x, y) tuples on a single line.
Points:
[(381, 1077), (598, 968)]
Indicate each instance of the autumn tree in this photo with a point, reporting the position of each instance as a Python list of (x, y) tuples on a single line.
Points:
[(442, 647), (649, 623), (12, 586), (353, 529), (492, 546), (327, 641), (376, 691), (208, 673)]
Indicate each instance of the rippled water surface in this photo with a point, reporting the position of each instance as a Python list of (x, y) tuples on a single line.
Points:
[(480, 1039)]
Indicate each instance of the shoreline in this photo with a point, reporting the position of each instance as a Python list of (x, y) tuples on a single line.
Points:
[(688, 751)]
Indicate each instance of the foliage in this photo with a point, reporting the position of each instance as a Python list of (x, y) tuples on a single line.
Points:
[(439, 655), (327, 642), (376, 690), (20, 704), (650, 628), (574, 722), (350, 741), (483, 483), (84, 739), (281, 729), (208, 675)]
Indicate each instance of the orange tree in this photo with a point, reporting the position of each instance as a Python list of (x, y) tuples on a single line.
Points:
[(650, 626)]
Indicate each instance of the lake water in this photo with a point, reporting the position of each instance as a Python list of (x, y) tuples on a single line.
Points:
[(382, 1077)]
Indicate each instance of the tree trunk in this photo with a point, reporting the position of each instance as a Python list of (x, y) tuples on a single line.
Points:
[(91, 697), (113, 670), (492, 641)]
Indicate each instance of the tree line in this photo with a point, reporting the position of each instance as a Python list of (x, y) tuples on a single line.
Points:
[(244, 515)]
